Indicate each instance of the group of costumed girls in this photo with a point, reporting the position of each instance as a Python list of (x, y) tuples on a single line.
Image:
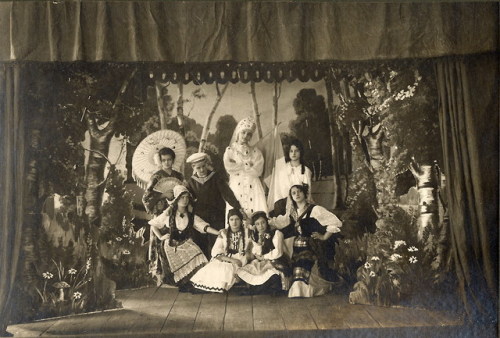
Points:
[(278, 252)]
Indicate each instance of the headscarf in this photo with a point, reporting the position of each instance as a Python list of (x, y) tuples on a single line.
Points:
[(245, 123)]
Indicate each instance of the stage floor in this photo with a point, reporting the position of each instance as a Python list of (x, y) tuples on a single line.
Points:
[(164, 311)]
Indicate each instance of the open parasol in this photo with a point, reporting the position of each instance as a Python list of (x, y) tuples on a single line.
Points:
[(143, 164)]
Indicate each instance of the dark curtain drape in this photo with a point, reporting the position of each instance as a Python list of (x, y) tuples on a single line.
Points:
[(12, 164), (468, 113), (243, 31)]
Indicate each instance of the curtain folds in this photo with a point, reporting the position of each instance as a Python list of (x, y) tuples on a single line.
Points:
[(243, 31), (12, 162), (468, 113)]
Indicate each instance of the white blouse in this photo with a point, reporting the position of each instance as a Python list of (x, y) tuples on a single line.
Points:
[(277, 252), (181, 222), (321, 214)]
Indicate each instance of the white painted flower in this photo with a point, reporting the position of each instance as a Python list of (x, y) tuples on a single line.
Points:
[(77, 295), (125, 236), (368, 265), (126, 252), (72, 271), (47, 275), (395, 257), (397, 244), (372, 273), (375, 258), (412, 249), (395, 282), (413, 259), (118, 239)]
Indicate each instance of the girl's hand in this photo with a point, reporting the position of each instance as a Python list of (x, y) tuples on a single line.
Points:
[(317, 235), (165, 237)]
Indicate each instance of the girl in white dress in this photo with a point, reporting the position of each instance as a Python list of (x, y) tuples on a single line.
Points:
[(295, 172), (245, 164), (229, 253)]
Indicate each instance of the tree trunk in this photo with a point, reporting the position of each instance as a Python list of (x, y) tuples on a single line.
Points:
[(180, 109), (276, 96), (427, 187), (206, 127), (256, 113), (337, 191), (161, 94)]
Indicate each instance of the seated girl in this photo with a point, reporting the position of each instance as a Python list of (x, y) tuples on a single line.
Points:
[(311, 225), (269, 272), (174, 227), (229, 253)]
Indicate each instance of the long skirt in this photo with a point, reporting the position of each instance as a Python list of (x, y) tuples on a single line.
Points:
[(184, 259), (306, 279), (258, 272), (216, 276)]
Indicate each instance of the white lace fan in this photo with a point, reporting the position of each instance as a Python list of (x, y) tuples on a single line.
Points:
[(143, 163)]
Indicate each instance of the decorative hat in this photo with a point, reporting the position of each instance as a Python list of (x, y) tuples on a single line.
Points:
[(234, 212), (197, 157), (179, 190), (247, 123)]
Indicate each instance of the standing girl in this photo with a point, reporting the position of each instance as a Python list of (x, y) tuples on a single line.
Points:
[(244, 164), (229, 253)]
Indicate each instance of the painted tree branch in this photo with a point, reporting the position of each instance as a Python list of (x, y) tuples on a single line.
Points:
[(206, 127), (255, 106)]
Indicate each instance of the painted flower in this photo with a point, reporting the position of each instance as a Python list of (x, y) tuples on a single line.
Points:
[(125, 236), (412, 249), (118, 239), (347, 241), (413, 259), (87, 265), (267, 236), (72, 271), (395, 282), (397, 244), (368, 265), (375, 258), (77, 295), (372, 273), (395, 257), (126, 252), (47, 275)]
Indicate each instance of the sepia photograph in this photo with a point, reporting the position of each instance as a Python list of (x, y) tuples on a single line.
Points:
[(249, 168)]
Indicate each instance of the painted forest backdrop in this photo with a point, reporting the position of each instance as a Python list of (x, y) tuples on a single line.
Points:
[(371, 137)]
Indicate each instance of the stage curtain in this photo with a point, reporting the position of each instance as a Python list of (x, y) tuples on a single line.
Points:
[(468, 113), (192, 31), (12, 163)]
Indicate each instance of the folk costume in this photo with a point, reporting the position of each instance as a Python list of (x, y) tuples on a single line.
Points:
[(210, 194), (245, 164), (272, 265), (181, 256), (217, 275), (155, 203), (307, 252)]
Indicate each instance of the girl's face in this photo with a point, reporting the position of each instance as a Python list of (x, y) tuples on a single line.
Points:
[(245, 136), (294, 153), (235, 223), (166, 162), (261, 224), (297, 195), (183, 200)]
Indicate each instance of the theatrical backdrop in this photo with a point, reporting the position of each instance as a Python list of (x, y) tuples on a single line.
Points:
[(396, 106)]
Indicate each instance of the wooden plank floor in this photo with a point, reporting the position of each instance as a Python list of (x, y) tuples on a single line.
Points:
[(165, 311)]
